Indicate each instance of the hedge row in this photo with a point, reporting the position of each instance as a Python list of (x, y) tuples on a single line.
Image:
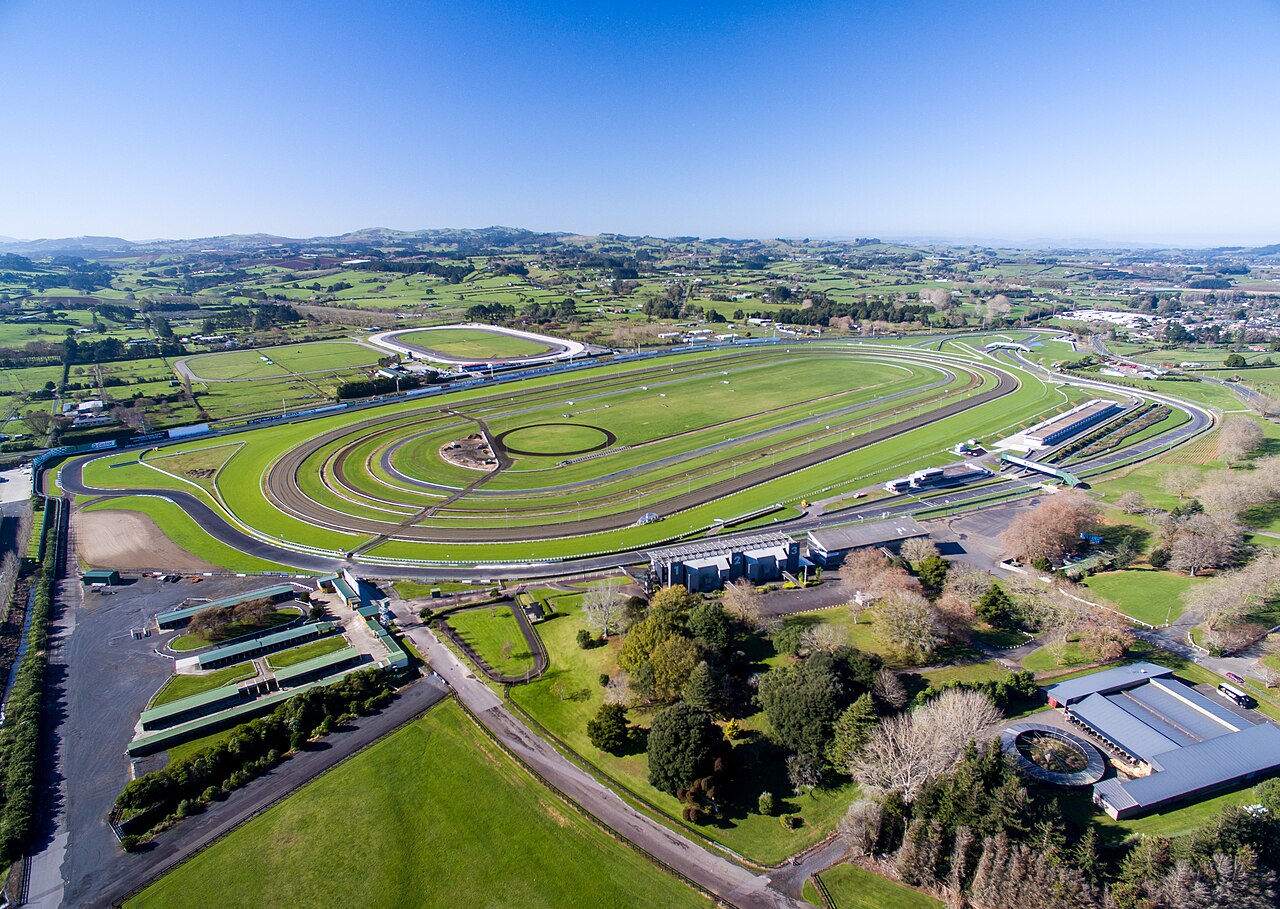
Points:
[(252, 748), (20, 735)]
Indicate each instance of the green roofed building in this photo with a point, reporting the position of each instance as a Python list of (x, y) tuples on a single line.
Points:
[(261, 646), (108, 577), (277, 594)]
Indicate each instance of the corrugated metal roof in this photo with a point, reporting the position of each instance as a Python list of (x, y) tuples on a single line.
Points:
[(1125, 730), (336, 658), (1187, 709), (868, 533), (1148, 717), (1207, 764), (234, 600), (204, 699), (1106, 682), (297, 633)]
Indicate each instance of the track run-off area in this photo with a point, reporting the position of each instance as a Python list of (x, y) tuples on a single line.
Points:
[(732, 436)]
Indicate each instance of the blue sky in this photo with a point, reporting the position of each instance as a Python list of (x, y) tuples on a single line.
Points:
[(1153, 122)]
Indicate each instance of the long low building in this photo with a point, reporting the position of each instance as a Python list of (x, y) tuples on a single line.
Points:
[(277, 594), (1073, 422), (710, 564), (1178, 743), (829, 545), (253, 648)]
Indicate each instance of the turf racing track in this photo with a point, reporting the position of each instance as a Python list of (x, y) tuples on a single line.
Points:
[(378, 480)]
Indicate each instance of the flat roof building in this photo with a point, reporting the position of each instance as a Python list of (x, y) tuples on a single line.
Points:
[(279, 593), (1181, 743), (829, 545)]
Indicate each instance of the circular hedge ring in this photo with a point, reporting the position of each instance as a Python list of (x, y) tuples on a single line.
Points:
[(609, 439)]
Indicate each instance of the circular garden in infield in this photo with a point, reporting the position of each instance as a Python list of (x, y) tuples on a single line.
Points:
[(580, 456)]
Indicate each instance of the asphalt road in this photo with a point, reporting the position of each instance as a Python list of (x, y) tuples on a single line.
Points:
[(726, 879)]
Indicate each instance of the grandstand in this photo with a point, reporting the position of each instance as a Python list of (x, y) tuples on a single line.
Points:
[(1075, 421), (710, 564)]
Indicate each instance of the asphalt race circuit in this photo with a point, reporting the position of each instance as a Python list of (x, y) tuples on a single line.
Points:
[(284, 490)]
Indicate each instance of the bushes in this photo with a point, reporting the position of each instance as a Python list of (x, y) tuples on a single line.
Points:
[(252, 749), (1015, 689), (20, 735)]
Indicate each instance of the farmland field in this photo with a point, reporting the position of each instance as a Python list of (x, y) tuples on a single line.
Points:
[(318, 356), (437, 795)]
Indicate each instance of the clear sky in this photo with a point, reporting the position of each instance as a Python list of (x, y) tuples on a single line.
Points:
[(1127, 121)]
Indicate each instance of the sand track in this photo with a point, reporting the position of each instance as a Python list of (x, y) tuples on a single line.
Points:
[(129, 541)]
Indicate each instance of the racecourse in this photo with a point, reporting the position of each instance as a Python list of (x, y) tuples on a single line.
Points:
[(694, 439)]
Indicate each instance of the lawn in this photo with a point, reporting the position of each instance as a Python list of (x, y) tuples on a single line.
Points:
[(473, 343), (308, 651), (1150, 596), (985, 671), (495, 635), (316, 356), (569, 694), (194, 641), (852, 887), (434, 815), (184, 686), (1047, 659)]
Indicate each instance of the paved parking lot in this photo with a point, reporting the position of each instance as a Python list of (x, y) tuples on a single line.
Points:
[(99, 680)]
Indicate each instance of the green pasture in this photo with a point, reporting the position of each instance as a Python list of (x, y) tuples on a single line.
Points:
[(308, 651), (442, 817), (474, 343), (495, 635), (1151, 596), (314, 356)]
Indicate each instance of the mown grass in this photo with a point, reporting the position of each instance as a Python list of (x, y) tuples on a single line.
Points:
[(307, 651), (494, 634), (474, 343), (442, 818), (852, 887), (1151, 596), (184, 686)]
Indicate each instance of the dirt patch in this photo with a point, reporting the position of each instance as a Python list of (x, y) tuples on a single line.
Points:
[(473, 453), (129, 541)]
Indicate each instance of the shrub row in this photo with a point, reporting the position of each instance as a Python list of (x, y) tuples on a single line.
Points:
[(252, 748), (1018, 689), (20, 735)]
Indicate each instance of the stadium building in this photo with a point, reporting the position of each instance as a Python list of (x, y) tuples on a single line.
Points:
[(1174, 743), (710, 564), (1075, 421)]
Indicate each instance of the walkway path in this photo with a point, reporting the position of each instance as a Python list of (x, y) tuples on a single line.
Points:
[(727, 880)]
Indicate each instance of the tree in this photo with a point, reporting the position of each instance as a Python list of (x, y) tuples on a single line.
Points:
[(804, 772), (765, 803), (38, 421), (908, 751), (683, 744), (917, 549), (704, 689), (1238, 438), (1131, 502), (608, 730), (670, 607), (850, 732), (824, 637), (641, 641), (743, 601), (605, 610), (932, 572), (673, 662), (801, 703), (889, 690), (995, 608), (709, 625), (1201, 541), (1181, 481), (909, 624), (1051, 528)]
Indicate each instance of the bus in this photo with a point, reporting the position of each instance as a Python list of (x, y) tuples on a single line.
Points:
[(1234, 694)]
